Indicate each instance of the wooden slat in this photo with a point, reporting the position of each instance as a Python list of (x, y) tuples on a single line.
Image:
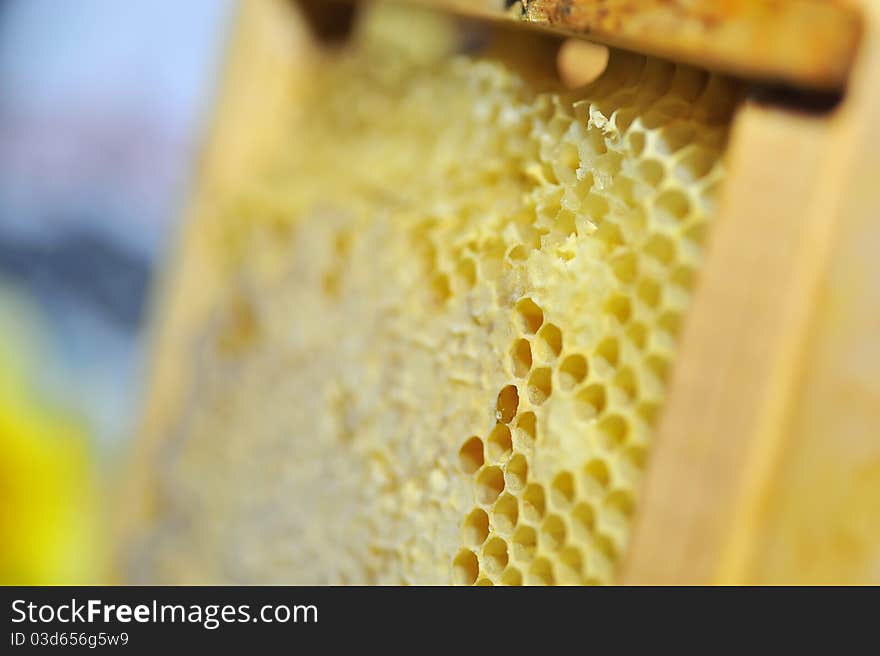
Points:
[(805, 43), (820, 519), (268, 50), (738, 348), (737, 446)]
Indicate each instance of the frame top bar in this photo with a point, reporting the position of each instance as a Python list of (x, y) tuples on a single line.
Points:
[(809, 44)]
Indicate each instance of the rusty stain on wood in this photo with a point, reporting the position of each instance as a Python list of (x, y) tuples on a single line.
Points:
[(804, 43)]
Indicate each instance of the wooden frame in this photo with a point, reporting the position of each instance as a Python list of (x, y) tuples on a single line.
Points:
[(256, 83), (806, 43), (776, 322), (738, 427)]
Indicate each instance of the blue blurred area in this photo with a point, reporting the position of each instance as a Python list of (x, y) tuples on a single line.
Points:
[(102, 107)]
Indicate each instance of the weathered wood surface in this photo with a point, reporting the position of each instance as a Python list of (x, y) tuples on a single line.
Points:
[(805, 43)]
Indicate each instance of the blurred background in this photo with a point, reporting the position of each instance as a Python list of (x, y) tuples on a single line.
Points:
[(102, 110)]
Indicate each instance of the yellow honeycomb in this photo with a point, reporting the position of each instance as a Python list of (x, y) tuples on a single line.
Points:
[(455, 290)]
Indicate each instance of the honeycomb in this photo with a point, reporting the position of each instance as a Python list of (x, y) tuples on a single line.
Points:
[(454, 292)]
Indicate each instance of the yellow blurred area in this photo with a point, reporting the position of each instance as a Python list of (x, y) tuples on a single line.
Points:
[(49, 528)]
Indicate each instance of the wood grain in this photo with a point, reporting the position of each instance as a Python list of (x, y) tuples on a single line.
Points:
[(819, 521), (736, 351), (804, 43), (765, 468)]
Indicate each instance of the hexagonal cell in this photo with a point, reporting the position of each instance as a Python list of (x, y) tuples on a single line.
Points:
[(670, 323), (649, 292), (625, 267), (635, 142), (526, 431), (516, 472), (499, 443), (511, 576), (549, 342), (552, 533), (594, 143), (567, 161), (619, 307), (613, 430), (675, 136), (683, 276), (467, 271), (624, 117), (470, 455), (655, 118), (609, 350), (571, 566), (590, 401), (610, 235), (572, 371), (541, 572), (490, 484), (583, 521), (648, 411), (658, 365), (533, 503), (518, 253), (651, 172), (696, 228), (465, 568), (625, 380), (694, 165), (695, 233), (440, 288), (672, 206), (597, 474), (475, 528), (521, 358), (566, 223), (529, 315), (635, 455), (606, 546), (506, 404), (562, 490), (525, 542), (495, 555), (637, 334), (540, 385), (505, 514), (661, 248), (621, 501)]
